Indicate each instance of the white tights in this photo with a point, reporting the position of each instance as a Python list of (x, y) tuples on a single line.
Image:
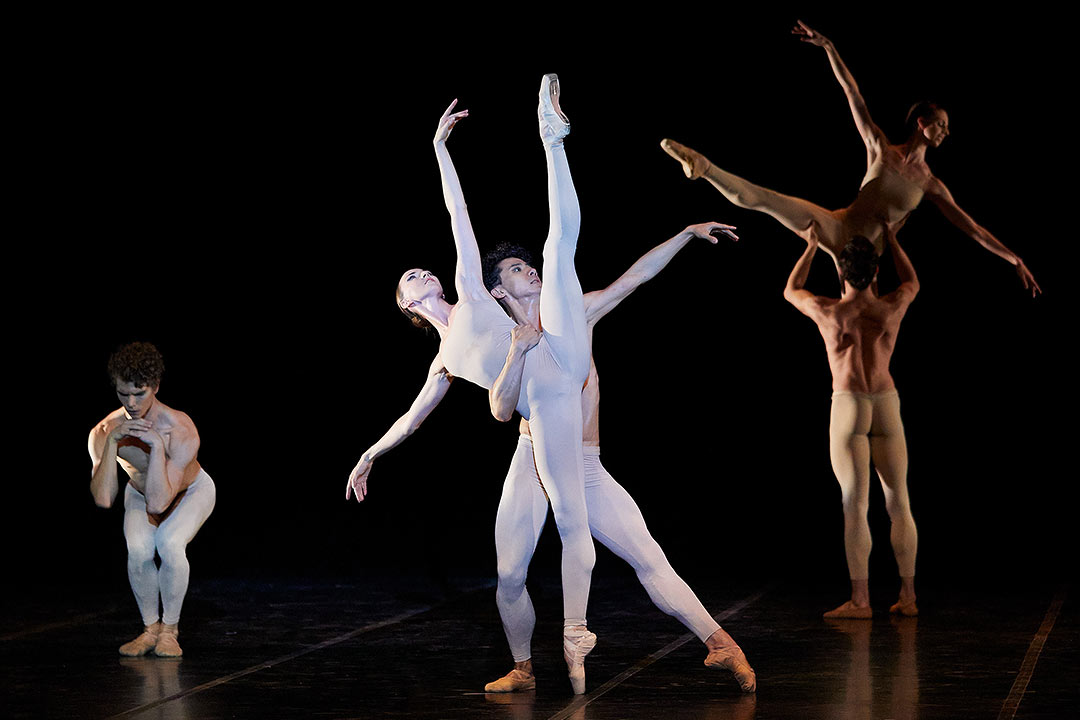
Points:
[(614, 519), (865, 427), (169, 540)]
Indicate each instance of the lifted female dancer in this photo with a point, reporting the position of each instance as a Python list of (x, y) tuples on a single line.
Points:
[(476, 336), (897, 178)]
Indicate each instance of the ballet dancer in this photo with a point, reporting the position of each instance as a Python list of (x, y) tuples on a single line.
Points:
[(860, 331), (476, 336), (167, 498), (897, 177), (614, 518)]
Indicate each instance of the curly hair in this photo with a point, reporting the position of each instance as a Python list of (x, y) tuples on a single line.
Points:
[(858, 262), (492, 258), (139, 363)]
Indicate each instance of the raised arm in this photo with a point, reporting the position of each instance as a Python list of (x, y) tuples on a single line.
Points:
[(872, 136), (504, 393), (601, 302), (806, 302), (434, 390), (468, 275), (909, 281), (940, 196)]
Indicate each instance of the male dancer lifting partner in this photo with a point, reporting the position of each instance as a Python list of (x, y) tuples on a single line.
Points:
[(860, 331), (613, 516), (167, 498)]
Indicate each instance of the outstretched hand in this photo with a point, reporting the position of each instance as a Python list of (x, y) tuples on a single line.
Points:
[(805, 33), (358, 480), (1028, 279), (447, 122), (712, 231)]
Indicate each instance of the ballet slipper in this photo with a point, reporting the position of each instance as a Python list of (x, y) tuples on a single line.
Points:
[(514, 681), (577, 643), (167, 646), (142, 644), (693, 163), (908, 609), (732, 659), (554, 125), (849, 611)]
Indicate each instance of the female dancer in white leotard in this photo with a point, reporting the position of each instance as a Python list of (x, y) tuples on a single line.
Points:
[(897, 178), (476, 335)]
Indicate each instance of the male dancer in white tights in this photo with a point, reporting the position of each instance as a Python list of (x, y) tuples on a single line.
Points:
[(614, 517), (167, 498), (860, 331)]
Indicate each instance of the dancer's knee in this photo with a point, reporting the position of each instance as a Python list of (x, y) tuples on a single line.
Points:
[(172, 550)]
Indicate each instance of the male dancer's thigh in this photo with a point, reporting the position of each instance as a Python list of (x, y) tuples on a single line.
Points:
[(191, 512), (888, 443), (138, 530), (522, 511), (849, 449)]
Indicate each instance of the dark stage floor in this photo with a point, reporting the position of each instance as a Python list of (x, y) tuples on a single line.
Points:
[(400, 648)]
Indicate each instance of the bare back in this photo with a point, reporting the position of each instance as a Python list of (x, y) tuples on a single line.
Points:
[(860, 334)]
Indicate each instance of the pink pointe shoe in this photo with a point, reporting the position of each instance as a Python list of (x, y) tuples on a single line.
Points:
[(554, 125), (577, 643)]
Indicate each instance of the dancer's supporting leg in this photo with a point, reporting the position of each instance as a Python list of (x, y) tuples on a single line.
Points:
[(555, 407), (849, 450), (522, 511), (169, 541), (172, 538), (616, 521), (800, 216), (142, 571), (888, 448)]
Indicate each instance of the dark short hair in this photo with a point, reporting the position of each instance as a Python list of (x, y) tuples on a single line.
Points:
[(918, 111), (858, 262), (138, 363), (492, 258)]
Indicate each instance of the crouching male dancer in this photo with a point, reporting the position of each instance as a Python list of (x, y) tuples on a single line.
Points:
[(614, 517), (167, 498), (860, 331)]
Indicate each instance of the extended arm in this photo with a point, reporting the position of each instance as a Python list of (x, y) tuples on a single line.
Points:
[(871, 134), (940, 196), (468, 275), (504, 393), (909, 281), (794, 291), (601, 302), (434, 390)]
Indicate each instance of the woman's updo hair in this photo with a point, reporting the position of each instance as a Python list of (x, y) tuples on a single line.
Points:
[(920, 110)]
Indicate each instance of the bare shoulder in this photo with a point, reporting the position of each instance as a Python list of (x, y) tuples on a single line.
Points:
[(178, 424), (106, 425)]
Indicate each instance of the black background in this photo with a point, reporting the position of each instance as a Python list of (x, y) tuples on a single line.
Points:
[(245, 191)]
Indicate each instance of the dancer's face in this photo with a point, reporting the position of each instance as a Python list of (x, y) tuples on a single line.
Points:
[(935, 127), (417, 285), (137, 399), (517, 278)]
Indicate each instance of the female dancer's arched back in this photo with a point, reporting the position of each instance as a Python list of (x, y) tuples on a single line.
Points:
[(476, 336), (897, 178)]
